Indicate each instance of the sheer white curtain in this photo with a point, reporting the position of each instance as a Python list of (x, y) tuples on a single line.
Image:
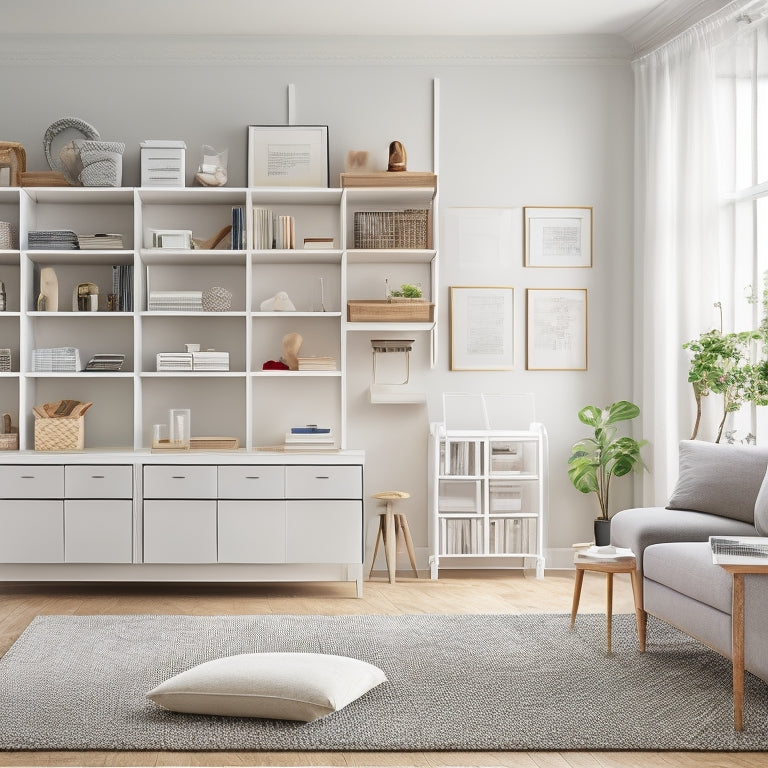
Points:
[(678, 272)]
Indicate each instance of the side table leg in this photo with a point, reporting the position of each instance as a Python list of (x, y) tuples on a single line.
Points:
[(640, 615), (737, 650), (576, 594), (609, 606)]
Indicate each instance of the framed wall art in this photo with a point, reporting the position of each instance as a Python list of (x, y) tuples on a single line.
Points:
[(556, 329), (482, 328), (558, 236), (288, 156)]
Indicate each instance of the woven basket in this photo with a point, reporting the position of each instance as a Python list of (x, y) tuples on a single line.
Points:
[(9, 440), (60, 434), (384, 311), (392, 229)]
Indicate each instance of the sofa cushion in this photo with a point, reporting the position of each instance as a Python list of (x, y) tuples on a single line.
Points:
[(687, 568), (719, 479), (641, 527), (761, 508)]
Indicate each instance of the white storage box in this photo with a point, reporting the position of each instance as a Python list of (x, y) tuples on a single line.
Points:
[(162, 163)]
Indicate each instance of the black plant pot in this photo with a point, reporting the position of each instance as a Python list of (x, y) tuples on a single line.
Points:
[(602, 532)]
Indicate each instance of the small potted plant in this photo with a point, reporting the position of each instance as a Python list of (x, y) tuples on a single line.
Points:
[(596, 460), (405, 291)]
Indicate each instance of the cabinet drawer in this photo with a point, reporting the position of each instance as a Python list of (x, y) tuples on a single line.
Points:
[(323, 482), (251, 482), (183, 481), (32, 481), (98, 481)]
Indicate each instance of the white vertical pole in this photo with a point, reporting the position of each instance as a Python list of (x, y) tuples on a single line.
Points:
[(291, 104)]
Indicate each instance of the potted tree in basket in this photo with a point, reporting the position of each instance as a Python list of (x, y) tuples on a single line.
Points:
[(596, 460)]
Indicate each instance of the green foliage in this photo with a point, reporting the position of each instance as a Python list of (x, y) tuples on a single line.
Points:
[(407, 291), (595, 460)]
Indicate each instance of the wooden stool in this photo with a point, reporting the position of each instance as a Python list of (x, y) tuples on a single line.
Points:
[(609, 567), (392, 526)]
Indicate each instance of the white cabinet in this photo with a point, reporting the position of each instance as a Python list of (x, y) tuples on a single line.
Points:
[(98, 531), (488, 495), (31, 531)]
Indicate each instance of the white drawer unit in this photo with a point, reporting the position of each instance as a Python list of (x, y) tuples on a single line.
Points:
[(180, 531), (90, 481), (251, 531), (31, 531), (180, 481), (258, 481), (323, 482), (96, 531), (31, 481)]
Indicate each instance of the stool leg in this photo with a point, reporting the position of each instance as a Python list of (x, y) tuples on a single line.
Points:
[(576, 594), (390, 542), (609, 606), (379, 536), (408, 542)]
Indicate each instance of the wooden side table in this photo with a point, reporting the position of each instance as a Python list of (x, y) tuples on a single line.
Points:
[(609, 567), (738, 570)]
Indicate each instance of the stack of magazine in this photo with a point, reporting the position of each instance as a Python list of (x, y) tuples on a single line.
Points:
[(176, 301), (739, 546), (52, 240), (100, 241), (310, 438), (105, 361)]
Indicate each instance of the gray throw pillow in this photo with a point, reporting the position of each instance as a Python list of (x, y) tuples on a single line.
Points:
[(761, 508), (719, 479)]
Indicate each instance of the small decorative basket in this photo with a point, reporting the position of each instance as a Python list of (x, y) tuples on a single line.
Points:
[(9, 437), (392, 229), (390, 311), (217, 299), (60, 434)]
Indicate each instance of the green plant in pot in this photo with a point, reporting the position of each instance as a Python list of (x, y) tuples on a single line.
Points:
[(596, 460)]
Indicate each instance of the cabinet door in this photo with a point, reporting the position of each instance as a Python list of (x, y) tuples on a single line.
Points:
[(251, 531), (31, 531), (324, 531), (180, 531), (98, 531)]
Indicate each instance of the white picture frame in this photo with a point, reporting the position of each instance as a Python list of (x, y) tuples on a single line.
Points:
[(288, 156), (557, 236), (556, 329), (482, 328)]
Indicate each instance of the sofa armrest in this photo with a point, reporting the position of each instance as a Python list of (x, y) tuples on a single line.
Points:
[(641, 527)]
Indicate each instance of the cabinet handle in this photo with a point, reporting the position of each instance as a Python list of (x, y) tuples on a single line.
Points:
[(27, 477), (253, 477), (322, 477), (178, 477), (97, 477)]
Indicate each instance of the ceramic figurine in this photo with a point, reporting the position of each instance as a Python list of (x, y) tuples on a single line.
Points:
[(397, 157), (280, 302), (291, 346)]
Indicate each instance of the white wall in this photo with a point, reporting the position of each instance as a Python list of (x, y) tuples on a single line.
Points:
[(518, 126)]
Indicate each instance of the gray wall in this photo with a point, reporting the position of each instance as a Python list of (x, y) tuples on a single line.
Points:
[(519, 124)]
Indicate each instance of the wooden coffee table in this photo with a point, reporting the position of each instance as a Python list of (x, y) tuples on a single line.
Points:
[(609, 567)]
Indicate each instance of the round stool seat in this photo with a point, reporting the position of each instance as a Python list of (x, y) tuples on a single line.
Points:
[(391, 495)]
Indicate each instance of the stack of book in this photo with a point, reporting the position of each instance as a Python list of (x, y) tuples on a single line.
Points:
[(105, 361), (122, 286), (57, 359), (607, 553), (285, 232), (210, 361), (320, 363), (52, 240), (273, 231), (318, 243), (310, 439), (176, 301), (100, 241), (174, 361)]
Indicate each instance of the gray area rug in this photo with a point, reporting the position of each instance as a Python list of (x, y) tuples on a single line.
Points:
[(497, 682)]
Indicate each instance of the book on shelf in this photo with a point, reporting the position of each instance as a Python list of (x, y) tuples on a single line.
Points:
[(310, 439), (174, 361), (105, 361), (210, 360), (237, 235), (318, 243), (310, 429), (100, 241), (318, 363), (56, 359), (122, 286), (176, 301)]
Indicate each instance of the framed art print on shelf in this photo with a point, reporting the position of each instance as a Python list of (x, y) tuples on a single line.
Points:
[(556, 329), (288, 156), (557, 236), (482, 328)]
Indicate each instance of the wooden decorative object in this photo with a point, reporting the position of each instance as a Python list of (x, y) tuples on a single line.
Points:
[(13, 156), (398, 160), (425, 179), (390, 311)]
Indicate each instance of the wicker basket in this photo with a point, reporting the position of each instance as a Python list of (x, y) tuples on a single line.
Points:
[(60, 434), (390, 311), (9, 438), (7, 235), (392, 229)]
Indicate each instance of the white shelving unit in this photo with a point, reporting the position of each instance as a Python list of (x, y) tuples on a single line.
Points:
[(255, 405), (488, 493)]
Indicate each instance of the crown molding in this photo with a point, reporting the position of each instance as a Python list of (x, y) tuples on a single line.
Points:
[(667, 21), (199, 50)]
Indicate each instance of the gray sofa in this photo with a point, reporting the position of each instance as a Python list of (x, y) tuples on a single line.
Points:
[(721, 490)]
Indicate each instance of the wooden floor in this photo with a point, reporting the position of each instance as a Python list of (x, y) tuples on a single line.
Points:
[(457, 592)]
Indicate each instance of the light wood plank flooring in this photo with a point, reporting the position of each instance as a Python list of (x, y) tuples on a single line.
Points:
[(454, 592)]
